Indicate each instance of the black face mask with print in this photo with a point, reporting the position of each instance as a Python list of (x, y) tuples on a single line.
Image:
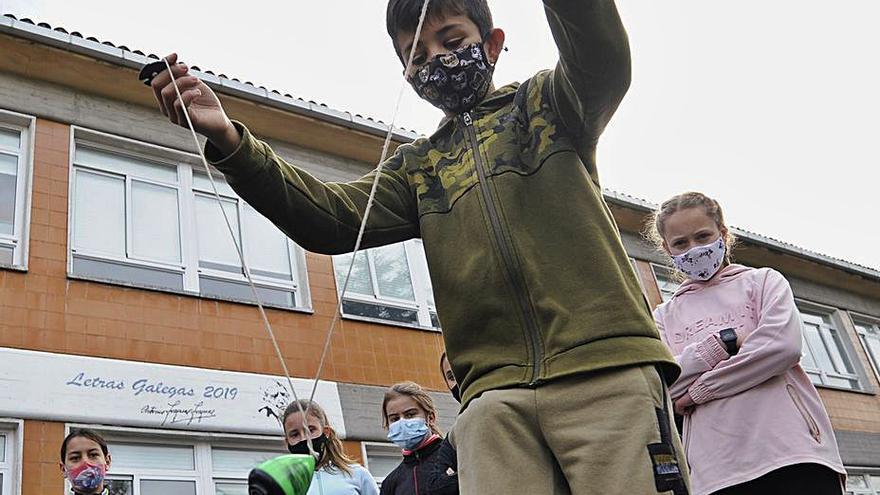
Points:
[(318, 443), (455, 82)]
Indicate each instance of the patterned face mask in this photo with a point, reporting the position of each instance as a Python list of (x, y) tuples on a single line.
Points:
[(701, 262), (454, 82), (86, 478)]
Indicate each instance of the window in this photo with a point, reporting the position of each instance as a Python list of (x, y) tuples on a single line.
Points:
[(666, 283), (15, 178), (869, 335), (824, 356), (862, 484), (380, 459), (635, 267), (147, 217), (10, 468), (389, 283), (180, 467)]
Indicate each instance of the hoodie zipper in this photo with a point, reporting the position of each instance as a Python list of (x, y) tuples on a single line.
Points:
[(416, 478), (511, 265)]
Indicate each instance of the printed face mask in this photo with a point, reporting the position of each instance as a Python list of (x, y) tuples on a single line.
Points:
[(454, 82), (701, 262), (303, 447), (87, 477), (408, 433)]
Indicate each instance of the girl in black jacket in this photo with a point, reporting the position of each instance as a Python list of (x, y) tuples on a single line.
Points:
[(429, 464)]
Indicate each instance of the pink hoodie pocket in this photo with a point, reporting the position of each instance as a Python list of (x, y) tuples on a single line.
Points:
[(805, 414)]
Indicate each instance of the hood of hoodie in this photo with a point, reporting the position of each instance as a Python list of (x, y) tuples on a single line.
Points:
[(726, 274)]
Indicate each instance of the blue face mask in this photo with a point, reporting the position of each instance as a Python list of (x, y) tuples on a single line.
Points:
[(408, 433)]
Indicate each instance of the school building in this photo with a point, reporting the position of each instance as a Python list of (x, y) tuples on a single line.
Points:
[(123, 306)]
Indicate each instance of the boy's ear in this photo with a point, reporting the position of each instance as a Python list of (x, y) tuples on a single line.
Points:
[(494, 44)]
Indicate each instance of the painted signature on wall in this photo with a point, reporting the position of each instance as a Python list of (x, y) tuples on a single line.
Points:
[(176, 414)]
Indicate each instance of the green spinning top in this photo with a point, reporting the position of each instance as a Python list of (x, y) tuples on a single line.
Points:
[(289, 474)]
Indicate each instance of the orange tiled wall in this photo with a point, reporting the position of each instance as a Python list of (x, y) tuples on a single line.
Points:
[(43, 310), (41, 473)]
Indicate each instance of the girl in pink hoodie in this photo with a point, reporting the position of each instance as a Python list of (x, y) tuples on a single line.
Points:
[(753, 422)]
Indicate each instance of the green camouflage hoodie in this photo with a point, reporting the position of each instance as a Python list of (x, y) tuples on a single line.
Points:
[(530, 277)]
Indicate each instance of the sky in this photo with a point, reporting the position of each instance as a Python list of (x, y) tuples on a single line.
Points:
[(771, 107)]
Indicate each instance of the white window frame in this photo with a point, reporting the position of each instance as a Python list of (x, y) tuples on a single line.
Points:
[(845, 351), (655, 268), (18, 241), (852, 472), (11, 466), (421, 281), (202, 443), (185, 164), (864, 320), (366, 457)]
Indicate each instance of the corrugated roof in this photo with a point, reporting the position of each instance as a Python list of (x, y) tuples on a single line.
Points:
[(122, 55), (135, 59)]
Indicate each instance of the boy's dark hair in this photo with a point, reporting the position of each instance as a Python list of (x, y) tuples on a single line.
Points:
[(85, 433), (403, 15)]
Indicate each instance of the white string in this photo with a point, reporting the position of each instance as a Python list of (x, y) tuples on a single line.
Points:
[(238, 250), (357, 245), (354, 253)]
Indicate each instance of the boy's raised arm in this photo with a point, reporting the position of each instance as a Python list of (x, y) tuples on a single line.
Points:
[(593, 73), (321, 217)]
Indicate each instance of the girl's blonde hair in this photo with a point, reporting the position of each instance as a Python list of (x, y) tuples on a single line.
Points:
[(656, 223), (418, 394), (334, 456)]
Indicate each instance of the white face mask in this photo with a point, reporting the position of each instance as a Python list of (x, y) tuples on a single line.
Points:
[(701, 262)]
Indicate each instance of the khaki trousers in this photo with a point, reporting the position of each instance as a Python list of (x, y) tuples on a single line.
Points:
[(586, 434)]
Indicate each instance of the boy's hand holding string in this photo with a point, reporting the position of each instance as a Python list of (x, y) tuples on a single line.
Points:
[(205, 110)]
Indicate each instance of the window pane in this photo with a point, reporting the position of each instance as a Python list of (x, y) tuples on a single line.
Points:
[(124, 272), (155, 230), (139, 456), (115, 162), (817, 348), (665, 282), (119, 487), (835, 348), (239, 460), (807, 360), (392, 272), (380, 311), (200, 181), (382, 460), (162, 487), (871, 339), (99, 213), (856, 482), (2, 448), (8, 174), (231, 489), (215, 244), (5, 255), (420, 263), (1, 483), (875, 482), (359, 282), (841, 382), (241, 291), (266, 246), (10, 139)]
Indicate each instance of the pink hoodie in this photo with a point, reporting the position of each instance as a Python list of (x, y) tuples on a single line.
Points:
[(756, 411)]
